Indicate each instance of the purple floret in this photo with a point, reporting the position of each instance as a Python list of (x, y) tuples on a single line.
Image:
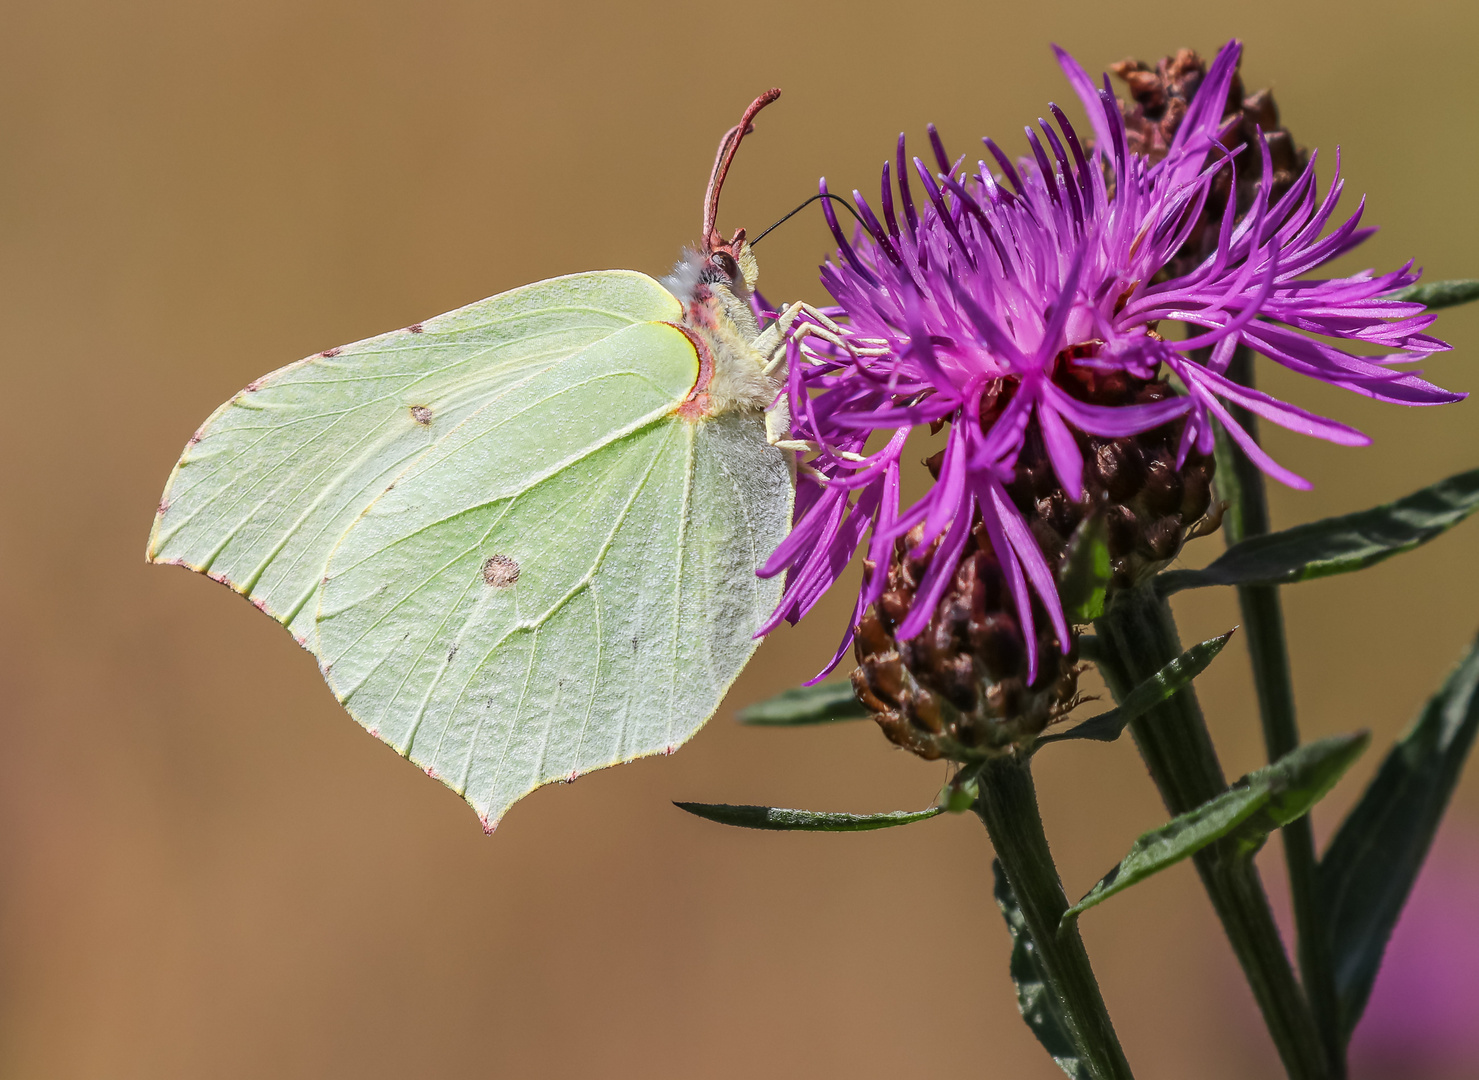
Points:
[(964, 306)]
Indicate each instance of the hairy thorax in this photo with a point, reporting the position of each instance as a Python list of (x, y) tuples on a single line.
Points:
[(718, 320)]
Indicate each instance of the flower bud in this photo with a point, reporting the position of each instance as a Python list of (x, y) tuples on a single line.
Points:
[(958, 689)]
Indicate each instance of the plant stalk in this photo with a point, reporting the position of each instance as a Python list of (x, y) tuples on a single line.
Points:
[(1138, 636), (1007, 804), (1240, 482)]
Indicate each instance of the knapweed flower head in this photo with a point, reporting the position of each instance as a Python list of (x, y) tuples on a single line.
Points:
[(1021, 303)]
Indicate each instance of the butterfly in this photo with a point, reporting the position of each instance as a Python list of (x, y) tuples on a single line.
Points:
[(520, 537)]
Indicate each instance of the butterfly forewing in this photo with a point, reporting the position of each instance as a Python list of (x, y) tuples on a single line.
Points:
[(270, 482), (564, 582)]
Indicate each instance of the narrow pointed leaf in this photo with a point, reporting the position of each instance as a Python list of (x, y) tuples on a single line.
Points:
[(1246, 813), (781, 820), (1369, 870), (1106, 727), (1440, 294), (1039, 1005), (820, 704), (1083, 581), (1337, 545)]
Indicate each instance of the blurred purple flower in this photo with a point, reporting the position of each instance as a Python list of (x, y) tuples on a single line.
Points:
[(968, 307), (1420, 1020)]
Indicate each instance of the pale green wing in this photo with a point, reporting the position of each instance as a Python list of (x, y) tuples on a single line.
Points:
[(564, 582), (270, 482)]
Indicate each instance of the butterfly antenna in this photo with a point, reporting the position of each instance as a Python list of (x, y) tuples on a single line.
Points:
[(803, 206), (728, 146)]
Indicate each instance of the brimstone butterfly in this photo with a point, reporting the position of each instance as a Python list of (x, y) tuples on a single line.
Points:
[(521, 537)]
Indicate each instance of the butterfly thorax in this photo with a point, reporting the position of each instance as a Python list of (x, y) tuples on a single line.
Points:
[(715, 291)]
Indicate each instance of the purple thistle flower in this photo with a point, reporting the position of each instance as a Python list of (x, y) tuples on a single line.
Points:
[(967, 307)]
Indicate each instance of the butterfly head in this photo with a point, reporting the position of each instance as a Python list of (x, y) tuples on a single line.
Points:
[(715, 285), (729, 262)]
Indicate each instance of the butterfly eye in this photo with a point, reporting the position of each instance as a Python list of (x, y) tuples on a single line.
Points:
[(725, 262)]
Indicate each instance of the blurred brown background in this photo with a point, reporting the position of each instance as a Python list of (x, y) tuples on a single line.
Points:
[(208, 870)]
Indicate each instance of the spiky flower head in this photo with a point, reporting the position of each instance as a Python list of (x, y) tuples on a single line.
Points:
[(1026, 304)]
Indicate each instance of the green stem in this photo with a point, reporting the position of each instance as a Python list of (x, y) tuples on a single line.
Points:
[(1008, 805), (1241, 483), (1138, 636)]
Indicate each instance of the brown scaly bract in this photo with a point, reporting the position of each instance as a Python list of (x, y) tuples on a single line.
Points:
[(959, 690), (1159, 97), (1150, 506)]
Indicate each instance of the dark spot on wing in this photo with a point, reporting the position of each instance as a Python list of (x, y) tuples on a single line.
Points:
[(500, 571), (421, 414), (329, 354), (415, 328)]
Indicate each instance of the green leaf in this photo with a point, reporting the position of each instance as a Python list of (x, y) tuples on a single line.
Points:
[(820, 704), (1440, 294), (1083, 579), (1368, 871), (1107, 726), (1036, 999), (516, 559), (1337, 545), (1245, 814), (781, 820)]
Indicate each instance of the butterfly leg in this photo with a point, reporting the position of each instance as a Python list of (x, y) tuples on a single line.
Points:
[(820, 326), (771, 345), (778, 428)]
